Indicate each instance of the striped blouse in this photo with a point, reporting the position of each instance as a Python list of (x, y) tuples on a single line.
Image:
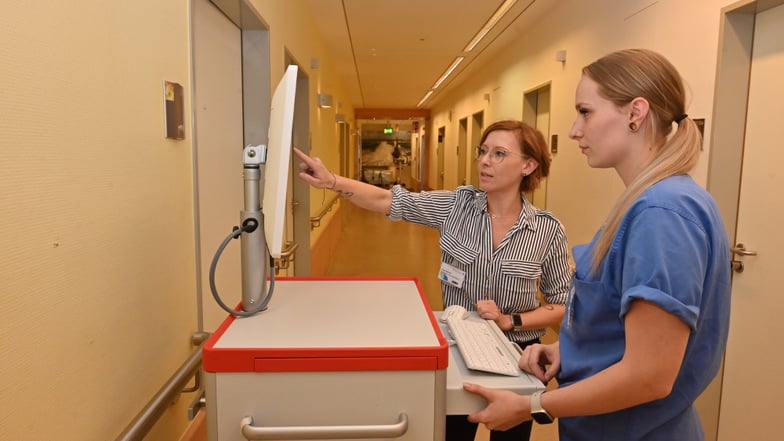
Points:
[(532, 256)]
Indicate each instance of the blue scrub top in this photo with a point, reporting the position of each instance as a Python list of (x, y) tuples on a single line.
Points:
[(671, 249)]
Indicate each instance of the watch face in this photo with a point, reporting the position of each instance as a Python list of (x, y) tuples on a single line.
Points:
[(541, 417), (517, 322)]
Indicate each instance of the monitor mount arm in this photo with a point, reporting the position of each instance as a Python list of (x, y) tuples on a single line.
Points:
[(253, 244), (255, 255)]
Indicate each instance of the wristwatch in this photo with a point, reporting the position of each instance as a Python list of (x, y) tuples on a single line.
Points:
[(517, 322), (537, 411)]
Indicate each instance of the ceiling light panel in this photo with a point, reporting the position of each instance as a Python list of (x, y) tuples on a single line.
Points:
[(489, 25)]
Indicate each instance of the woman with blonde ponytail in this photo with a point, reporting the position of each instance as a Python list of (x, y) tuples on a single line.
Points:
[(648, 313)]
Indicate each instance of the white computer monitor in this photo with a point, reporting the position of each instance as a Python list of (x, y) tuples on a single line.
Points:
[(276, 169)]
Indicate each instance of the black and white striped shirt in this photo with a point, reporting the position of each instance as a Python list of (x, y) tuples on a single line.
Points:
[(532, 256)]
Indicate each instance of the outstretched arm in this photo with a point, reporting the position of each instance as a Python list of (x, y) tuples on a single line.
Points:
[(362, 194)]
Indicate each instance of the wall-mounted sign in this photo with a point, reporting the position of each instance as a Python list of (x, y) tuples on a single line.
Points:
[(174, 125)]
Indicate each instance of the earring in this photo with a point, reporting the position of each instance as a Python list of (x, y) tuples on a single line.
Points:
[(632, 127)]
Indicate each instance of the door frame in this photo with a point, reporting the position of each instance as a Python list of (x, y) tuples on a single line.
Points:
[(477, 127), (440, 158), (462, 150), (727, 140), (536, 113)]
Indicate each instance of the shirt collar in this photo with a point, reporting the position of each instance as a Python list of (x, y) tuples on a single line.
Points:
[(527, 217)]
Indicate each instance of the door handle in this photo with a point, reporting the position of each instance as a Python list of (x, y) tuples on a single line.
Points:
[(741, 250)]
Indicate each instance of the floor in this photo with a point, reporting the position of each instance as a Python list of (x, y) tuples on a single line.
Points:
[(371, 245)]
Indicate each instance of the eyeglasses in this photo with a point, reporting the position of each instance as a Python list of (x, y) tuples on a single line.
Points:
[(496, 155)]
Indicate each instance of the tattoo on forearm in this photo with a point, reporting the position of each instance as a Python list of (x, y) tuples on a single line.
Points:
[(345, 194)]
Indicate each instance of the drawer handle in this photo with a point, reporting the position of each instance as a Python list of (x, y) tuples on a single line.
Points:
[(390, 431)]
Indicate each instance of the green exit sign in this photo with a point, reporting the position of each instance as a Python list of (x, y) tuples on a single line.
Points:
[(387, 130)]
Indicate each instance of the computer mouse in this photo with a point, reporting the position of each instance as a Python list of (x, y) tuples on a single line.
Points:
[(453, 311)]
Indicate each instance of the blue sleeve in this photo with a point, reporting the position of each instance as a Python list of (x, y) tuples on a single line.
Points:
[(664, 262)]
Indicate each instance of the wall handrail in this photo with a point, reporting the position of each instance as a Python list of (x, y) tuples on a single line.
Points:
[(315, 221), (146, 419)]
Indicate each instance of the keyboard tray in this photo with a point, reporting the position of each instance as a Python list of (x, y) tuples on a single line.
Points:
[(460, 402)]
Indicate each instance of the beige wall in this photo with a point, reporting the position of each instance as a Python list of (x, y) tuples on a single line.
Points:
[(97, 268), (685, 32), (97, 260)]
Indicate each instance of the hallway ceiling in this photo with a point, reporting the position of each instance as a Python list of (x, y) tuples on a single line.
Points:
[(389, 53)]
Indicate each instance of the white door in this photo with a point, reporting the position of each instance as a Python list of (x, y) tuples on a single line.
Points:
[(753, 381), (217, 60)]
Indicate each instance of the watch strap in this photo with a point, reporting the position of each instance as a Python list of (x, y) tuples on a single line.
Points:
[(538, 413)]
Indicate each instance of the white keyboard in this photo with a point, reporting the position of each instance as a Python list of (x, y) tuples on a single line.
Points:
[(484, 346)]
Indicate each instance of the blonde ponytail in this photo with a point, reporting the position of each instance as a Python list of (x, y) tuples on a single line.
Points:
[(623, 76)]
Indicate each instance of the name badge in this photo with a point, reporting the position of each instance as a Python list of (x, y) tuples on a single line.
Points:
[(451, 275)]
